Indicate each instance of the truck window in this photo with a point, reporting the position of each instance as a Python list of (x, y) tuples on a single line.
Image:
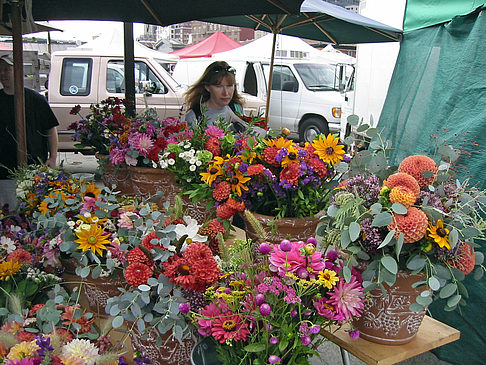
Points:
[(317, 76), (283, 78), (76, 76), (115, 81)]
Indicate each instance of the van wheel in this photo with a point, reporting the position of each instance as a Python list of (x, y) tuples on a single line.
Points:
[(311, 127)]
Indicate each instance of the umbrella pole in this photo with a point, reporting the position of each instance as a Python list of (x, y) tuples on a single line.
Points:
[(270, 77), (19, 84), (129, 68)]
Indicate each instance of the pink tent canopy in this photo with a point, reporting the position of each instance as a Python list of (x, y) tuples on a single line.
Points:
[(215, 43)]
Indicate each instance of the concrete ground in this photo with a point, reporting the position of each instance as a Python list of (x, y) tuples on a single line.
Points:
[(330, 353)]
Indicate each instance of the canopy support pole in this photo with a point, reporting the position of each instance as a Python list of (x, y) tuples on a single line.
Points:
[(129, 68)]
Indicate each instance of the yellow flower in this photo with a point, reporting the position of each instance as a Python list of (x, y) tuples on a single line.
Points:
[(237, 182), (9, 269), (328, 278), (94, 239), (292, 156), (92, 190), (212, 173), (279, 142), (439, 234), (328, 149), (22, 350)]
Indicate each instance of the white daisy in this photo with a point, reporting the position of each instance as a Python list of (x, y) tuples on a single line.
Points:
[(7, 244)]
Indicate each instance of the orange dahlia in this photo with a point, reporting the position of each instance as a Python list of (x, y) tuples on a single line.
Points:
[(402, 179), (413, 225), (222, 191), (417, 164), (402, 195)]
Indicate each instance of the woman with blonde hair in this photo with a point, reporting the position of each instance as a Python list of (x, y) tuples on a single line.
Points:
[(215, 94)]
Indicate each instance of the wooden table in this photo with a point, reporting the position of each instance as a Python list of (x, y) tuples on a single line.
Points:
[(431, 334)]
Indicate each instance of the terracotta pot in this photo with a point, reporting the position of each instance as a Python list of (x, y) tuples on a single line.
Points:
[(386, 318), (294, 229), (95, 292), (170, 353), (115, 175)]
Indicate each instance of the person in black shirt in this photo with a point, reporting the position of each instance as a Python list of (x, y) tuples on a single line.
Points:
[(40, 129)]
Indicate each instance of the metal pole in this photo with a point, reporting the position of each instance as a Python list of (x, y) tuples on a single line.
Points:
[(129, 67), (19, 83)]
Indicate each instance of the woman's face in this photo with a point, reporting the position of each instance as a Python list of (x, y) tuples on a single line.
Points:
[(221, 94)]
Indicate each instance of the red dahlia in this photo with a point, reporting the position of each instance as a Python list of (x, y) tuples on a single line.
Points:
[(138, 273), (291, 174), (213, 145), (137, 255), (20, 255), (233, 204), (147, 241), (318, 166), (222, 191), (255, 169), (224, 211), (269, 156)]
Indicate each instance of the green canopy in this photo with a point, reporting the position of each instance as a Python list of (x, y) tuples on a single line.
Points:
[(437, 95)]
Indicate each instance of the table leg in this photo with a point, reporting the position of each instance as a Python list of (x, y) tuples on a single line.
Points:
[(344, 356)]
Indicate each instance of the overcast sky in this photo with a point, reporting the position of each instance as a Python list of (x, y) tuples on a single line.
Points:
[(86, 30)]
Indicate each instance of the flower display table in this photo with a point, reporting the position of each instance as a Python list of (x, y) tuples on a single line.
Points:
[(431, 334)]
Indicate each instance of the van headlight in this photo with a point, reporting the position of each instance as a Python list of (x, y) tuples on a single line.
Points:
[(336, 112)]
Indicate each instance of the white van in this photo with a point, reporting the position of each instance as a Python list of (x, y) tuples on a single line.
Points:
[(305, 96), (87, 77)]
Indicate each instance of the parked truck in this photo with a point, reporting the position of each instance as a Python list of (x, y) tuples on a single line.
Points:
[(84, 77)]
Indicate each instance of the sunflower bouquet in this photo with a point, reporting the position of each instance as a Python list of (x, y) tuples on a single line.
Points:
[(274, 176), (418, 217), (270, 304)]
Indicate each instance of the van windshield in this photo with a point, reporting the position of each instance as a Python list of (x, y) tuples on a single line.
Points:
[(317, 76)]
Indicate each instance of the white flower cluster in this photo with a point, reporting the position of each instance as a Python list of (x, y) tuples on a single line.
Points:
[(23, 187), (190, 156), (38, 276)]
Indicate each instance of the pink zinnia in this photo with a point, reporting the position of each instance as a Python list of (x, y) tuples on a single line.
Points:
[(214, 131), (293, 260), (208, 313), (125, 221), (347, 298), (117, 156), (229, 327), (141, 142)]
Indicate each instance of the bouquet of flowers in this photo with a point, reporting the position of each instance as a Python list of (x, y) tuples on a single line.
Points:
[(273, 176), (420, 218), (270, 305), (106, 120)]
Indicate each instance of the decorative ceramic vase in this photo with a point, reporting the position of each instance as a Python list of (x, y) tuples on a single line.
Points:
[(387, 318), (294, 229), (115, 175), (95, 292), (171, 352)]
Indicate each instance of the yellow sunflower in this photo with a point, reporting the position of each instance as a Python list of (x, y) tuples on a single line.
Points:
[(94, 239), (92, 190), (439, 234), (237, 182), (328, 278), (279, 142), (328, 149), (8, 269), (211, 174)]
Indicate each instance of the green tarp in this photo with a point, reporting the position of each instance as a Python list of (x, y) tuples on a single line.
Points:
[(438, 94)]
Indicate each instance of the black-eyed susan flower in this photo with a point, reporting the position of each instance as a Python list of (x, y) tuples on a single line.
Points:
[(328, 149), (439, 234), (93, 238)]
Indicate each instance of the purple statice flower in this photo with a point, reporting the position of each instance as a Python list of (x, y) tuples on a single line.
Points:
[(141, 359), (372, 236), (121, 361), (281, 155), (269, 174), (243, 167)]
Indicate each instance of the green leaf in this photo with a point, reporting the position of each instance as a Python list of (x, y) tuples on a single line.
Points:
[(434, 283), (345, 239), (416, 307), (399, 245), (347, 274), (372, 132), (478, 273), (354, 231), (390, 264), (376, 208), (254, 347), (479, 259), (332, 211), (353, 119), (117, 321), (453, 301), (382, 219), (387, 239), (448, 290), (362, 128), (416, 263), (424, 301), (399, 208), (282, 345)]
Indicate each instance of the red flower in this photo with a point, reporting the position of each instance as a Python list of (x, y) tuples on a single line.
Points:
[(171, 129), (161, 142), (464, 259), (71, 316), (216, 226), (403, 179), (25, 336), (318, 166), (146, 242), (75, 110), (138, 273), (222, 191), (154, 154), (224, 211), (255, 169), (291, 174), (233, 204), (269, 156), (213, 145), (197, 252), (137, 255), (20, 255)]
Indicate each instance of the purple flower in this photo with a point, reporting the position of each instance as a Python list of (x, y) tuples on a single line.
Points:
[(264, 248), (184, 308), (273, 340), (285, 245), (306, 340), (315, 329), (260, 299), (265, 309), (293, 313), (274, 359), (312, 240), (332, 255), (354, 334), (302, 273)]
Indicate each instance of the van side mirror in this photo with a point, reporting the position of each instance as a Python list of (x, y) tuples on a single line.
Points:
[(290, 86)]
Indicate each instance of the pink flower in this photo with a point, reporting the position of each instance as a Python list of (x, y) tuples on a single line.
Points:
[(229, 326), (130, 161), (214, 131), (141, 142), (89, 205), (125, 221), (293, 260), (347, 298), (208, 313), (117, 156)]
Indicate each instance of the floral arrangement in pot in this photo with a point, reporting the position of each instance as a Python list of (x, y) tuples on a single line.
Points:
[(274, 177), (420, 221), (270, 305)]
